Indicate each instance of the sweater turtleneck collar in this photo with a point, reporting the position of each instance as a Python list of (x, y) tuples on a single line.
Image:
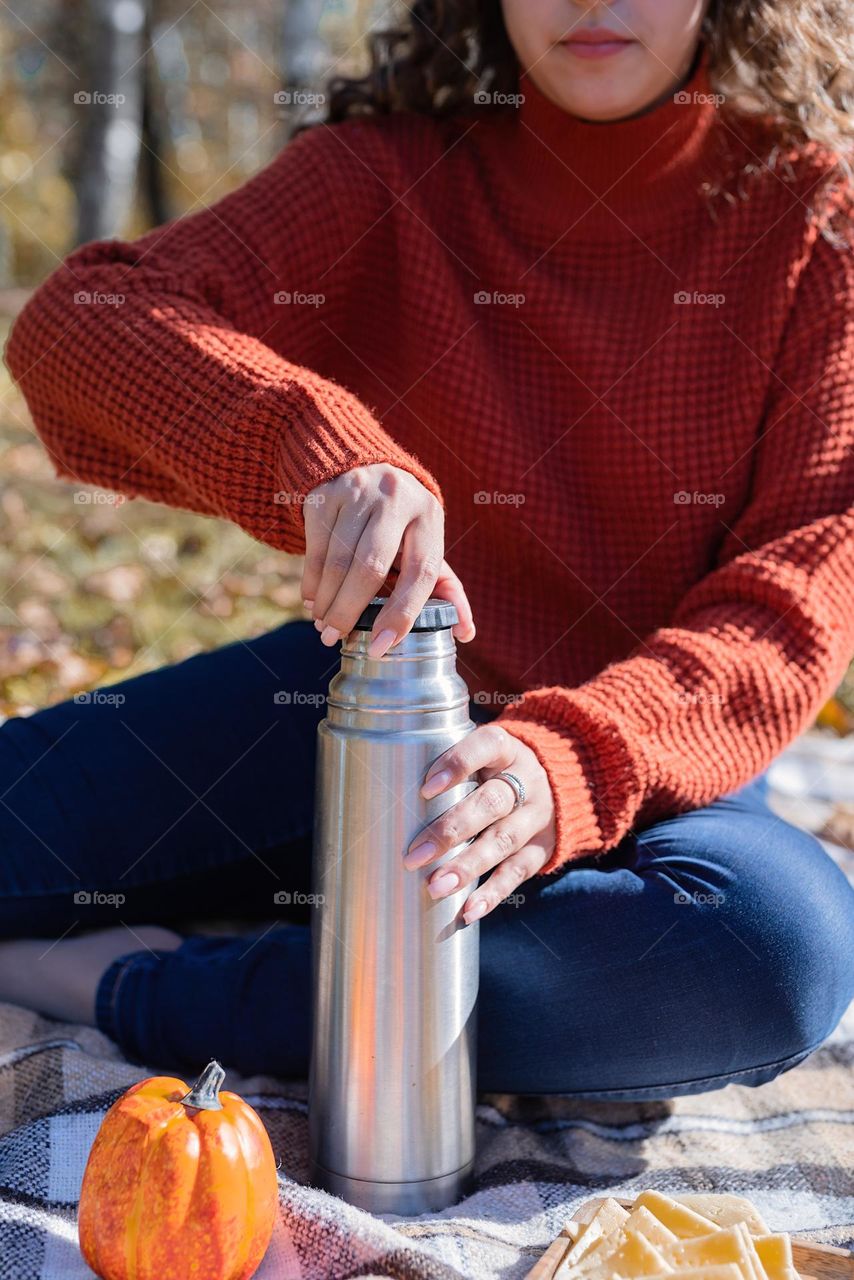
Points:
[(640, 167)]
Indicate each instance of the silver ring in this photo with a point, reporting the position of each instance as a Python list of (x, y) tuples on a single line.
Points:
[(516, 783)]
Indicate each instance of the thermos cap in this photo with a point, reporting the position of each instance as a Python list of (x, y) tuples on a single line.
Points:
[(436, 615)]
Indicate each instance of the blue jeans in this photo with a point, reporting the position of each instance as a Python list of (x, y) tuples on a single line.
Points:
[(713, 947)]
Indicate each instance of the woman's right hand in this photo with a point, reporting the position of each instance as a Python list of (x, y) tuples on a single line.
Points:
[(359, 526)]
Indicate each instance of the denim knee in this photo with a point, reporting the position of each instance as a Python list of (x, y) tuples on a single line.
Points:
[(789, 907), (815, 941)]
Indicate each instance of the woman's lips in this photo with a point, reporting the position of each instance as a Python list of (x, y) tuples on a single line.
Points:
[(604, 48)]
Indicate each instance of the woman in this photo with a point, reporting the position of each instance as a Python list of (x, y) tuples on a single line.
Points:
[(573, 280)]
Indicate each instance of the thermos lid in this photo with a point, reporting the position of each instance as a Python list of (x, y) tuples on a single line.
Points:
[(435, 615)]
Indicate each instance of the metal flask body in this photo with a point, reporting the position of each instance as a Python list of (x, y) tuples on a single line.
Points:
[(392, 1079)]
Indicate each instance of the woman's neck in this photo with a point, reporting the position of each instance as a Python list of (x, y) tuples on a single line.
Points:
[(633, 171)]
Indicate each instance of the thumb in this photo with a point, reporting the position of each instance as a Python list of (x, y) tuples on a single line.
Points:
[(449, 587)]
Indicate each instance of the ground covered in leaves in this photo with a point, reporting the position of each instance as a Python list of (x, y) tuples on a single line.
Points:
[(93, 590)]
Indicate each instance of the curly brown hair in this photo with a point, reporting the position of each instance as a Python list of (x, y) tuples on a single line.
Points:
[(791, 61)]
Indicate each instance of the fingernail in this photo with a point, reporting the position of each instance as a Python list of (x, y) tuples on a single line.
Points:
[(435, 783), (420, 854), (330, 635), (443, 884), (308, 604), (318, 624), (380, 643), (477, 909)]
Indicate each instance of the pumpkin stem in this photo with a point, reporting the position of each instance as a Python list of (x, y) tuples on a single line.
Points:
[(205, 1092)]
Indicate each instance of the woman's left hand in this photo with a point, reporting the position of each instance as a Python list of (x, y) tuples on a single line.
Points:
[(516, 841)]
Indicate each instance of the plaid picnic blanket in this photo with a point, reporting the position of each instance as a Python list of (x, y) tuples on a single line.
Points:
[(787, 1145)]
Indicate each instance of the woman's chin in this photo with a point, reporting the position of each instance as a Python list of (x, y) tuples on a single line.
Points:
[(600, 104)]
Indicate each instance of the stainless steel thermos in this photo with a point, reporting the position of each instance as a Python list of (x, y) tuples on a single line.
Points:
[(392, 1080)]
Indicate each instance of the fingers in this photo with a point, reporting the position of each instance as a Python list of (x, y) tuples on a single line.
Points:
[(487, 747), (420, 562), (506, 879), (501, 845), (344, 538), (357, 528), (319, 518), (478, 810), (516, 840), (449, 587), (370, 562)]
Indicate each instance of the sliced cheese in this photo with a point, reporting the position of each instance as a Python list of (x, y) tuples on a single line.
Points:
[(697, 1237), (726, 1211), (645, 1224), (683, 1222), (591, 1263), (634, 1256), (725, 1271), (755, 1261), (775, 1254), (728, 1245), (608, 1219)]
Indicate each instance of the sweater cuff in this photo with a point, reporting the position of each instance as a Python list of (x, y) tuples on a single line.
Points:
[(577, 829), (293, 438)]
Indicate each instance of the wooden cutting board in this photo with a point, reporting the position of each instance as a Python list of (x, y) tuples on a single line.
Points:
[(812, 1261)]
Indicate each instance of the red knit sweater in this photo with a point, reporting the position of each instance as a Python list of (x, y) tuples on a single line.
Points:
[(648, 499)]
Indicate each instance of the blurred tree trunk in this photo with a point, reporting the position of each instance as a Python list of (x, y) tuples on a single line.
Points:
[(110, 98), (304, 56), (166, 116), (154, 132)]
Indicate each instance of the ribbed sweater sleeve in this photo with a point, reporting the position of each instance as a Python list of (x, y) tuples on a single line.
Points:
[(146, 370), (702, 705)]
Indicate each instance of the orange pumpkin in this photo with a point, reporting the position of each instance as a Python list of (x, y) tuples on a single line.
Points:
[(178, 1184)]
